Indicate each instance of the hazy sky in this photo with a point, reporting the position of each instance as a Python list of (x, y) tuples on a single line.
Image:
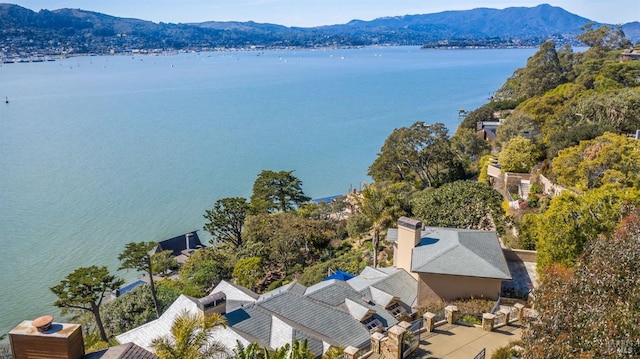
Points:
[(321, 12)]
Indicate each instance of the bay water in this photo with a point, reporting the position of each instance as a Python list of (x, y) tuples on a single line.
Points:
[(99, 151)]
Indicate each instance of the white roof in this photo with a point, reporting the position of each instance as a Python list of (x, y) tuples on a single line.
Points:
[(145, 334)]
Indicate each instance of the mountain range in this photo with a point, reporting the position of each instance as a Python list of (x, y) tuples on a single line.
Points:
[(70, 31)]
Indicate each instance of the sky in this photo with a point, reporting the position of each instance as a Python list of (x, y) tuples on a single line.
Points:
[(308, 13)]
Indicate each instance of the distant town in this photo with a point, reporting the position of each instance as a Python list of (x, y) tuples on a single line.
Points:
[(29, 36)]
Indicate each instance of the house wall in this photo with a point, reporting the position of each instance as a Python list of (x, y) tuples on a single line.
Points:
[(281, 333), (450, 287), (409, 231)]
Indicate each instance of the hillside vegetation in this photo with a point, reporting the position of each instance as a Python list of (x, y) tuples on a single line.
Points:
[(566, 116)]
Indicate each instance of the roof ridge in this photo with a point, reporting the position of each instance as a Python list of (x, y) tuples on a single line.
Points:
[(441, 253), (489, 263)]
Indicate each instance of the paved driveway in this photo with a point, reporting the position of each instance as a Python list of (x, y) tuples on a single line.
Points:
[(464, 342)]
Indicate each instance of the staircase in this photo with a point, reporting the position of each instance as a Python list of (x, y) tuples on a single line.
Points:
[(525, 187)]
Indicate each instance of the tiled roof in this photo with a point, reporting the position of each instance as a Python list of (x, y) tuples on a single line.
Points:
[(335, 326), (381, 297), (367, 277), (336, 292), (293, 287), (124, 351), (400, 284), (391, 280), (253, 322), (332, 292), (462, 252), (358, 311), (315, 346)]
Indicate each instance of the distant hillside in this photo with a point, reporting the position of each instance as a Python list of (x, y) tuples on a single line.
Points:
[(69, 31), (516, 22)]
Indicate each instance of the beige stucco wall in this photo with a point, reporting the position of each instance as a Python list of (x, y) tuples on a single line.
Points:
[(450, 287), (408, 236)]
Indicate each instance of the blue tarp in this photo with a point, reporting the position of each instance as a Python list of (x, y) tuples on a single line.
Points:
[(340, 275), (130, 286)]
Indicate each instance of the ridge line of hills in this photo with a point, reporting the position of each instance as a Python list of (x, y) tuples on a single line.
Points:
[(75, 31)]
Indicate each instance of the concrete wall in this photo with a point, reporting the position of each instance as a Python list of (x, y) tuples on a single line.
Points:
[(515, 255), (550, 188), (450, 287)]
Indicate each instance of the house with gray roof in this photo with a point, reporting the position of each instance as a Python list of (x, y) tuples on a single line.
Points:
[(332, 313), (450, 263)]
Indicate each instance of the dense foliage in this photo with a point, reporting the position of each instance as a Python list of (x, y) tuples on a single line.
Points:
[(562, 232), (420, 155), (607, 159), (461, 204), (591, 311)]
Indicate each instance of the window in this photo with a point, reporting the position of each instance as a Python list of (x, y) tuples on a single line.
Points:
[(372, 324), (396, 309)]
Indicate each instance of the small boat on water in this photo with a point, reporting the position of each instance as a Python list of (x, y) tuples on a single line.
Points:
[(6, 99)]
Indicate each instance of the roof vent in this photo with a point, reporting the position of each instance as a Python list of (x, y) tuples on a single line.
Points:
[(43, 323)]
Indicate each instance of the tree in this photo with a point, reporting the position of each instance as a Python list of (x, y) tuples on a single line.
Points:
[(609, 158), (248, 272), (563, 230), (374, 212), (251, 351), (518, 124), (129, 311), (543, 72), (138, 256), (226, 220), (468, 146), (163, 262), (518, 155), (84, 289), (591, 311), (299, 350), (190, 338), (602, 38), (277, 191), (288, 238), (461, 204), (204, 269), (420, 155)]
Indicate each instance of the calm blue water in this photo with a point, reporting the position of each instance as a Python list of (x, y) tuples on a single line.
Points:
[(96, 152)]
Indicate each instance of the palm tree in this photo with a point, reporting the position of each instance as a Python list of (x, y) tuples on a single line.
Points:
[(190, 338), (375, 210), (299, 350), (252, 351)]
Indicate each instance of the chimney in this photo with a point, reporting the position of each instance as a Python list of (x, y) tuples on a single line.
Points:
[(213, 303), (409, 233), (42, 338), (186, 236)]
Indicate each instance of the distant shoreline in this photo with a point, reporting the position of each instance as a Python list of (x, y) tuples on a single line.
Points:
[(11, 59)]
